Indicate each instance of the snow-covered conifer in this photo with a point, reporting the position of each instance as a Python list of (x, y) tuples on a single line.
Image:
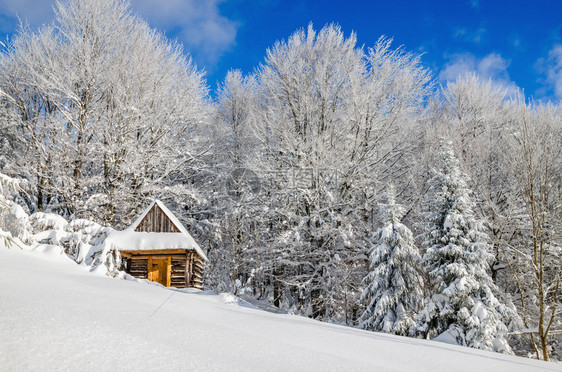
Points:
[(462, 308), (394, 286)]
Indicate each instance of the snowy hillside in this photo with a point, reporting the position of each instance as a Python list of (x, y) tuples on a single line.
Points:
[(282, 174), (56, 315)]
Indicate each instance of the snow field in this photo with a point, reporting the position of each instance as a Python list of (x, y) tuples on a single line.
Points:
[(57, 316)]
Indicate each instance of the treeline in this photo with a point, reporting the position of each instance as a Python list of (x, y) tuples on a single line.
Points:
[(336, 181)]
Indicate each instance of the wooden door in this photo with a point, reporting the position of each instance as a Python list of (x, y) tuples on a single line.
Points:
[(159, 271)]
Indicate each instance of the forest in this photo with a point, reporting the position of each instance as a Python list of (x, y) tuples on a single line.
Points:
[(337, 181)]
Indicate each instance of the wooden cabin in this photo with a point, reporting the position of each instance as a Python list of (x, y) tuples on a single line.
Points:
[(158, 247)]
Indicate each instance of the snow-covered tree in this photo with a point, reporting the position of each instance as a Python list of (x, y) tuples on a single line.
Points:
[(14, 222), (393, 289), (108, 106), (463, 306), (475, 118), (331, 116), (236, 111), (534, 253), (29, 134)]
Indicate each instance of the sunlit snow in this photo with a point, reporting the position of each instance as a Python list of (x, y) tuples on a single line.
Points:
[(57, 315)]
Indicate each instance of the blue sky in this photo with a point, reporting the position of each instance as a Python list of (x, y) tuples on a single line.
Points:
[(517, 44)]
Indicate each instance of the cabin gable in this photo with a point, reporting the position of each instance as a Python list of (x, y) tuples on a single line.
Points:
[(157, 221), (158, 247)]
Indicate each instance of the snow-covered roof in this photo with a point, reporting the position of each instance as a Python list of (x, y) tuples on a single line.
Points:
[(131, 240)]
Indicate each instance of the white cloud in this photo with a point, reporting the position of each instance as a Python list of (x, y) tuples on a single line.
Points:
[(472, 36), (552, 68), (33, 12), (478, 35), (459, 32), (493, 67), (474, 4), (199, 25), (458, 65)]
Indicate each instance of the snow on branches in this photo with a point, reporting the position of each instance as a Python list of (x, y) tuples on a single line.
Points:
[(463, 305), (394, 286)]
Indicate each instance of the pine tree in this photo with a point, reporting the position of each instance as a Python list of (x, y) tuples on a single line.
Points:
[(394, 287), (462, 307)]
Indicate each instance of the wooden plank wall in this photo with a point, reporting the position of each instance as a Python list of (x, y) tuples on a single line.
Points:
[(179, 271), (183, 271), (138, 267), (156, 221), (196, 271), (187, 272)]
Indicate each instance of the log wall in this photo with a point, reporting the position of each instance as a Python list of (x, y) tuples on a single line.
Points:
[(186, 268), (179, 272), (138, 267), (197, 272)]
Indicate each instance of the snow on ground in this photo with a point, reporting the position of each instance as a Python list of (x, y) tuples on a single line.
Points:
[(55, 315)]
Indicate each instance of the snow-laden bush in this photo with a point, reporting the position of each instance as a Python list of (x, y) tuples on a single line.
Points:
[(14, 225), (81, 239), (46, 221), (15, 221)]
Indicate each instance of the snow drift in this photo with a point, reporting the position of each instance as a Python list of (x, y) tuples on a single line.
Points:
[(56, 315)]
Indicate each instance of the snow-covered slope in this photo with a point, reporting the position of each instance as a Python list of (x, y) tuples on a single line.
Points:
[(56, 315)]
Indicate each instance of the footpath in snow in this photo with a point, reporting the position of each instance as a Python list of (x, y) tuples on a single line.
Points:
[(57, 316)]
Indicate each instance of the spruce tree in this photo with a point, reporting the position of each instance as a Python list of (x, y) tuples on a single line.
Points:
[(393, 287), (462, 308)]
